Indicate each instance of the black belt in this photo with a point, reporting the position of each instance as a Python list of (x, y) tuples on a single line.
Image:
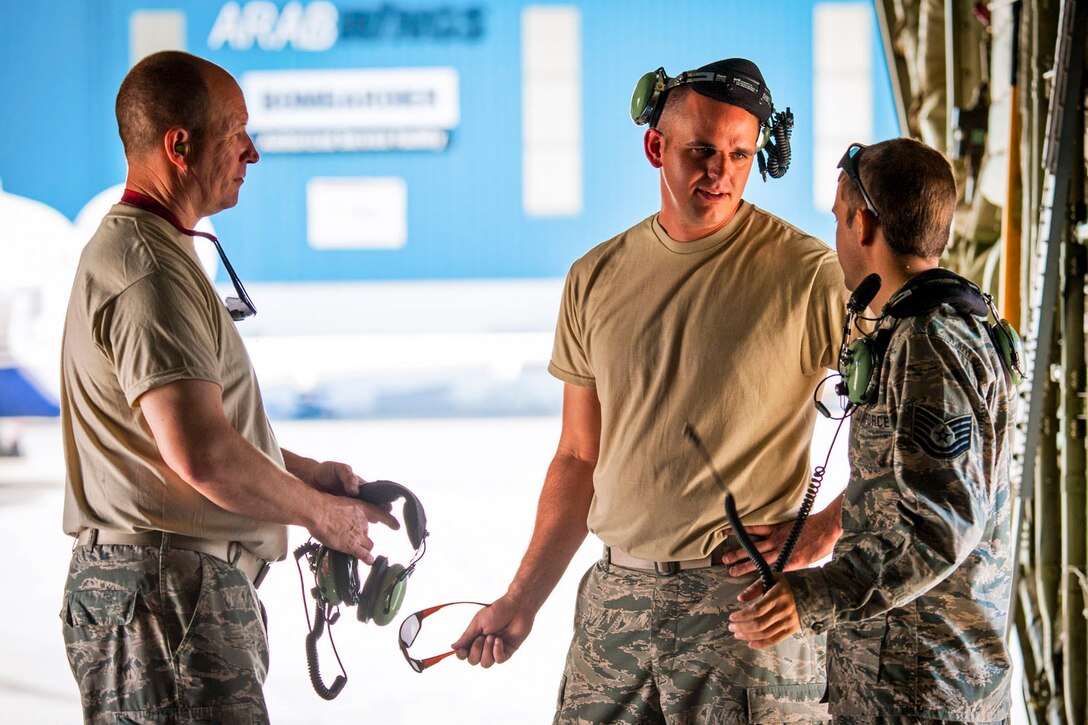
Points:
[(229, 551)]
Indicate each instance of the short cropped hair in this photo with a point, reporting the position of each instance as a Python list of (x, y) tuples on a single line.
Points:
[(163, 90), (914, 192), (674, 99)]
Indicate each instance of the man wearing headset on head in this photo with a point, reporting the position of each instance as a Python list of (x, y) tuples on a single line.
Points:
[(712, 312), (916, 597), (177, 492)]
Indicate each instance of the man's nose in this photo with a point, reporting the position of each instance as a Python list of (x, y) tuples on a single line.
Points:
[(715, 166), (251, 156)]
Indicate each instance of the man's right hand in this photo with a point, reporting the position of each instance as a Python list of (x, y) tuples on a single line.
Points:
[(345, 524), (495, 633)]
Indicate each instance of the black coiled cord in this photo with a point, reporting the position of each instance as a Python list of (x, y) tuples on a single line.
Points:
[(778, 150), (327, 693), (799, 522), (806, 505), (310, 550)]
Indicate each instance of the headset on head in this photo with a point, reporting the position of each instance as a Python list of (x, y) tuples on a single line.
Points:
[(648, 100), (861, 360), (336, 574)]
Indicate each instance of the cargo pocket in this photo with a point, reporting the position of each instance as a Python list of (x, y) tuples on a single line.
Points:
[(559, 697), (781, 704), (99, 608)]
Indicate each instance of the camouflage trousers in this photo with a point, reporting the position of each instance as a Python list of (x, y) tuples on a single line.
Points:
[(655, 649), (902, 720), (168, 636)]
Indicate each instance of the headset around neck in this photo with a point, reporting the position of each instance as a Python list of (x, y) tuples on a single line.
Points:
[(860, 361)]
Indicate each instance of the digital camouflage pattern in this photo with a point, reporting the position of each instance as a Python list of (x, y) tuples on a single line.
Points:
[(651, 648), (918, 589), (189, 646)]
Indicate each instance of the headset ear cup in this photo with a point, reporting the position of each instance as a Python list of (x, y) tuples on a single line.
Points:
[(345, 570), (390, 595), (764, 137), (335, 576), (644, 99), (368, 597), (857, 371), (1009, 346)]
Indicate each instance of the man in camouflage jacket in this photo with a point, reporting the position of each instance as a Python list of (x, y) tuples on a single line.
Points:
[(916, 596)]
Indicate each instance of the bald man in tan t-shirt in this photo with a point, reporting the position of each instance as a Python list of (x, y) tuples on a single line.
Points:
[(711, 312), (177, 492)]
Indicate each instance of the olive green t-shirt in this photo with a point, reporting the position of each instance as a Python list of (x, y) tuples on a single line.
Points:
[(143, 314), (731, 333)]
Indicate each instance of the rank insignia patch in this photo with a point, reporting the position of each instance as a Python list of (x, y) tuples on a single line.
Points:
[(938, 437)]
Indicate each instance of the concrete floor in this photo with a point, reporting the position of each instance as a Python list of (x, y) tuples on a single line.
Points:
[(479, 481)]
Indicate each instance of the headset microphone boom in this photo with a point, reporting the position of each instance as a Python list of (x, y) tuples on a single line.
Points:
[(731, 514)]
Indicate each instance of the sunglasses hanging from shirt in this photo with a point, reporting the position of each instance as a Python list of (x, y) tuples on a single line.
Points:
[(240, 307), (336, 580)]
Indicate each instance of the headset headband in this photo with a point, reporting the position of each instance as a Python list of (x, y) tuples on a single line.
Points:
[(383, 492), (927, 290), (753, 95)]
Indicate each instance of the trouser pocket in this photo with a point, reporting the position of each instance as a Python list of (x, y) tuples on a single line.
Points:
[(774, 704)]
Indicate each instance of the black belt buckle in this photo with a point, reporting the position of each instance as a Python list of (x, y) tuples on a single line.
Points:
[(666, 568)]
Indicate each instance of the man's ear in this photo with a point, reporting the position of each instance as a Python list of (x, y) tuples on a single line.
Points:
[(653, 143), (863, 225), (176, 143)]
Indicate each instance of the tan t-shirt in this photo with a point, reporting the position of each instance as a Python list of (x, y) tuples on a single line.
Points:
[(731, 333), (143, 314)]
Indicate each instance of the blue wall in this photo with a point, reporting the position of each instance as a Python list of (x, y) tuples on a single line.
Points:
[(62, 61)]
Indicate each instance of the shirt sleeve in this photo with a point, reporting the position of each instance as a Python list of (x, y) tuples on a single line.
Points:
[(824, 316), (570, 360), (917, 503), (157, 331)]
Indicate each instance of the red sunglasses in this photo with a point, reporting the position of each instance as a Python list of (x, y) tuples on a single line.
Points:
[(409, 630)]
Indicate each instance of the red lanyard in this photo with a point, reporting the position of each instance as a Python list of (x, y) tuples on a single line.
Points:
[(239, 307)]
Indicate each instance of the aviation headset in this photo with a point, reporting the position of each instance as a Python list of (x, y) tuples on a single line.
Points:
[(735, 81), (860, 362), (381, 594), (336, 575)]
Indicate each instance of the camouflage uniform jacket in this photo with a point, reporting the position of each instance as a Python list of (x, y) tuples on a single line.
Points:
[(916, 596)]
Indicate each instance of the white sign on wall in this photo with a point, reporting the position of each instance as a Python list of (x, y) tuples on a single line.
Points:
[(357, 212), (352, 110)]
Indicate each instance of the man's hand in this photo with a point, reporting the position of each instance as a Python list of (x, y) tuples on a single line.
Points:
[(816, 542), (495, 633), (344, 525), (768, 621), (335, 478)]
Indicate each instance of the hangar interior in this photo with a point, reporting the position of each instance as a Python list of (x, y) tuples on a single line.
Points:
[(999, 87)]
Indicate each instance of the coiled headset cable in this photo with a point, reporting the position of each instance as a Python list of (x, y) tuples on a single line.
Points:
[(778, 151), (322, 613), (767, 571)]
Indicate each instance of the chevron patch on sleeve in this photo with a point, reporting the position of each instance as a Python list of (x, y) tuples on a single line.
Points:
[(941, 438)]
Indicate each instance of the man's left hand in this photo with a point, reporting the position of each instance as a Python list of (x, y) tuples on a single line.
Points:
[(335, 478), (816, 542), (771, 618)]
